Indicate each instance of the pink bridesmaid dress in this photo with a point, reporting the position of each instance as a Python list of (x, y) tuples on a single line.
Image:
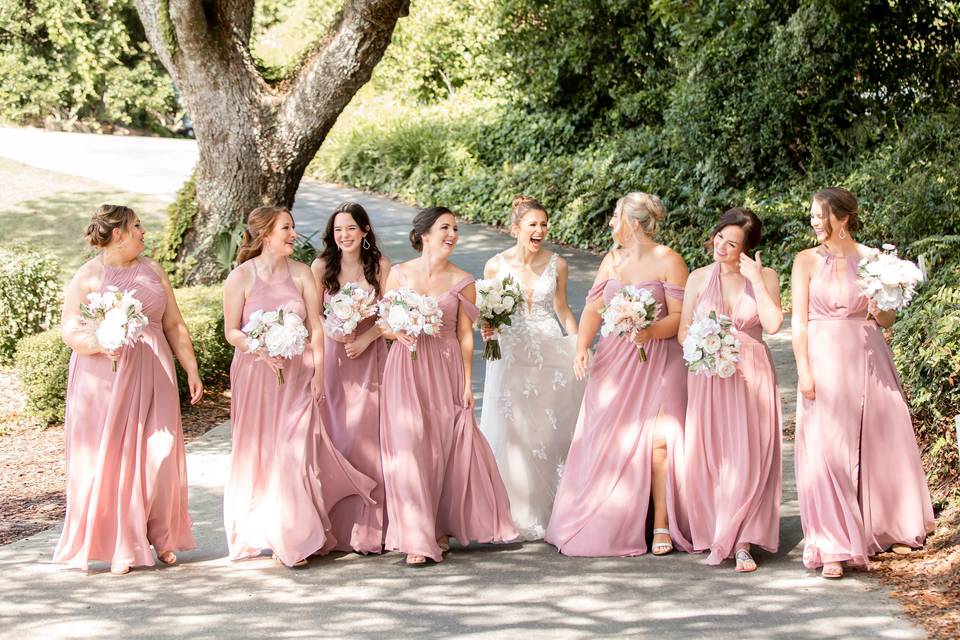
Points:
[(603, 500), (285, 474), (126, 465), (439, 472), (351, 414), (861, 486), (732, 440)]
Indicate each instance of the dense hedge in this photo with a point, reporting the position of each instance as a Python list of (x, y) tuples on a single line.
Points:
[(42, 360), (29, 295)]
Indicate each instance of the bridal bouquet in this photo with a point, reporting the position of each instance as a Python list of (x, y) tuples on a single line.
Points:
[(888, 280), (631, 310), (280, 333), (347, 308), (711, 346), (115, 317), (497, 299), (405, 310)]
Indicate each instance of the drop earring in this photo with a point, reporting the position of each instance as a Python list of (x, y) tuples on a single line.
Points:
[(843, 233), (365, 244)]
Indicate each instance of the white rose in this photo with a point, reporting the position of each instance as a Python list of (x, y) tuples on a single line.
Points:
[(269, 317), (398, 318), (111, 334), (691, 350), (726, 368), (116, 315), (342, 309), (428, 306), (711, 343)]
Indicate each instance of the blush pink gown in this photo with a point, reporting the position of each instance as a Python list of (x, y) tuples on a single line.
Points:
[(732, 441), (126, 465), (861, 486), (439, 472), (603, 500), (285, 474), (351, 414)]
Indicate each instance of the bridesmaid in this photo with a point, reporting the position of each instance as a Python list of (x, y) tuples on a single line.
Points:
[(861, 486), (627, 441), (126, 465), (353, 372), (732, 439), (285, 474), (440, 475)]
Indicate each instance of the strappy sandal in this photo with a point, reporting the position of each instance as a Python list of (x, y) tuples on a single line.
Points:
[(167, 557), (444, 543), (661, 548), (414, 560), (832, 571), (299, 563), (743, 557)]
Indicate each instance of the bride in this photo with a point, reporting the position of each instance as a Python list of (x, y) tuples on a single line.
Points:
[(531, 397)]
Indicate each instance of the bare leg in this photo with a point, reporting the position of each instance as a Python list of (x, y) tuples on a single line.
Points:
[(659, 489)]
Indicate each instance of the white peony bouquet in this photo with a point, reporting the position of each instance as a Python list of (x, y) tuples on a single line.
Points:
[(631, 310), (279, 333), (114, 317), (887, 280), (497, 300), (348, 308), (712, 347), (405, 310)]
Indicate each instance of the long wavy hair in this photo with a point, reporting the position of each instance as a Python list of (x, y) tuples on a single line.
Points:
[(369, 258)]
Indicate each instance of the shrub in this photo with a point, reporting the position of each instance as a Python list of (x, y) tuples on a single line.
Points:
[(29, 295), (42, 360), (180, 216)]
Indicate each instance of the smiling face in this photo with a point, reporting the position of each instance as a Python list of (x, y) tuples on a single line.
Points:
[(281, 238), (443, 235), (532, 230), (347, 233), (129, 242), (823, 223), (728, 245), (620, 226)]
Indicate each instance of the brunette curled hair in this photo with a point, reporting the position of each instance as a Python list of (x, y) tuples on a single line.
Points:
[(422, 222), (369, 257), (260, 223), (521, 206), (746, 220), (842, 204), (105, 219)]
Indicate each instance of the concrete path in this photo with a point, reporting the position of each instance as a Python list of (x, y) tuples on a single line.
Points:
[(508, 591)]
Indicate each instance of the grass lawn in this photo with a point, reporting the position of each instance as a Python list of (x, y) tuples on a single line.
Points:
[(49, 210)]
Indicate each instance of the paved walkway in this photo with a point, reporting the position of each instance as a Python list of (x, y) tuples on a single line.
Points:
[(509, 591)]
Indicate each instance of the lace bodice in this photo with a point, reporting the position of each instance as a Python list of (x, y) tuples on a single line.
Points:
[(536, 318)]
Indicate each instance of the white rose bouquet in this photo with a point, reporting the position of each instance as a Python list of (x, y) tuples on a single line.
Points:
[(405, 310), (348, 308), (888, 280), (279, 333), (114, 317), (631, 310), (712, 347), (497, 300)]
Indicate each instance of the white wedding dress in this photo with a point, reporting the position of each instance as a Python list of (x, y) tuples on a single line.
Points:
[(531, 400)]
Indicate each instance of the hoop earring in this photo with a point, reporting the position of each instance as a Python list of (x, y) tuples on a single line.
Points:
[(365, 244), (843, 233)]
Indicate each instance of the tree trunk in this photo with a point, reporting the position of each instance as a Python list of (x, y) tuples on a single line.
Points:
[(256, 139)]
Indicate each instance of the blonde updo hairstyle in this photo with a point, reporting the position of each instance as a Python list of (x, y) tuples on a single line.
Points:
[(107, 218), (522, 205), (645, 208), (260, 223)]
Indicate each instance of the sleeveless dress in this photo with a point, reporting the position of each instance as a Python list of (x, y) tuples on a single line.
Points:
[(126, 463), (603, 501), (732, 440), (285, 474), (530, 402), (351, 414), (439, 473), (861, 486)]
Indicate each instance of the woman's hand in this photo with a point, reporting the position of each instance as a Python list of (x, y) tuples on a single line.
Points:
[(405, 339), (316, 387), (355, 347), (642, 336), (487, 332), (752, 270), (113, 354), (196, 387), (468, 401), (806, 385), (580, 362)]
